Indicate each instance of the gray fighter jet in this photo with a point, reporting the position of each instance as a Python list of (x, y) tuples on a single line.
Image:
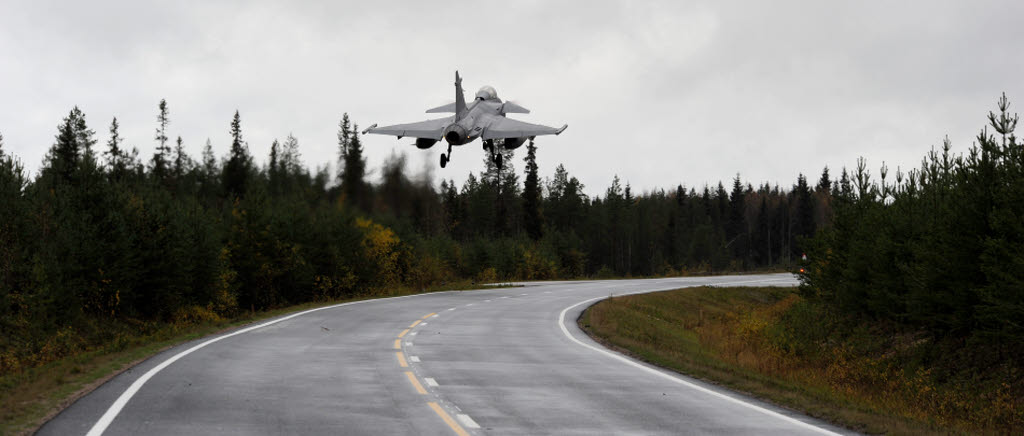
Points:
[(483, 118)]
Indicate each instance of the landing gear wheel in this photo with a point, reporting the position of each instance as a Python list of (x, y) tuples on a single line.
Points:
[(444, 160)]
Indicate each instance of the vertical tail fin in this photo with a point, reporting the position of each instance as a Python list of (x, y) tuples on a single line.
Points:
[(460, 100)]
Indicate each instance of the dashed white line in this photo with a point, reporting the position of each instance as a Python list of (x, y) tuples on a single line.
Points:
[(413, 333), (434, 316), (430, 382), (408, 344), (466, 421), (414, 358), (423, 323), (450, 309), (523, 294), (487, 301)]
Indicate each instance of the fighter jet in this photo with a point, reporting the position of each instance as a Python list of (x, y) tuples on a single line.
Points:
[(483, 118)]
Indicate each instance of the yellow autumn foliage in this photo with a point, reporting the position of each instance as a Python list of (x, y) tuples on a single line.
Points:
[(382, 248)]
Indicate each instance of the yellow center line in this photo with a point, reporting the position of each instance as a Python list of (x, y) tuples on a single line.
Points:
[(429, 315), (415, 383), (415, 324), (448, 419), (401, 359), (403, 332), (398, 344)]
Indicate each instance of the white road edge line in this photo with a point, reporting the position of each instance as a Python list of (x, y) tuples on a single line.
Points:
[(430, 382), (619, 357), (466, 421), (108, 417)]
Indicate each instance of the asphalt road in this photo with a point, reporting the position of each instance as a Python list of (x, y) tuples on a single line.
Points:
[(499, 361)]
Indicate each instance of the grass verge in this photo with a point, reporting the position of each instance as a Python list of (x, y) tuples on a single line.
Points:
[(743, 339), (31, 397)]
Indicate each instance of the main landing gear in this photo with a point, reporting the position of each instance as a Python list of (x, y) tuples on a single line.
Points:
[(446, 157)]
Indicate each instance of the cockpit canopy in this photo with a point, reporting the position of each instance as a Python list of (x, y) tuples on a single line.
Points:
[(487, 93)]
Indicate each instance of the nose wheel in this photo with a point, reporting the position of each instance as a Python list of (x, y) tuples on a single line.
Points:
[(495, 157)]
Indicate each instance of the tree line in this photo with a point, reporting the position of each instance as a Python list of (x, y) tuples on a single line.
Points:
[(936, 252), (101, 236)]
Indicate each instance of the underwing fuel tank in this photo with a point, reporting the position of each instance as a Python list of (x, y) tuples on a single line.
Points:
[(513, 143), (425, 143)]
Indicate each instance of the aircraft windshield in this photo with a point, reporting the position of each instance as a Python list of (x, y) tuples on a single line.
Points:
[(487, 93)]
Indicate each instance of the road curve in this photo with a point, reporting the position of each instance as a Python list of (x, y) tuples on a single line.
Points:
[(499, 361)]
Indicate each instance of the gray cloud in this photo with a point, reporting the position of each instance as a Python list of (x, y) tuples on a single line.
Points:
[(659, 93)]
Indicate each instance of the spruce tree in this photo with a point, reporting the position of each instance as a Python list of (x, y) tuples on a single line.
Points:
[(736, 223), (344, 133), (803, 218), (73, 137), (182, 163), (532, 220), (114, 153), (290, 164), (353, 165), (210, 169), (209, 173), (273, 173), (163, 151), (236, 170), (824, 183)]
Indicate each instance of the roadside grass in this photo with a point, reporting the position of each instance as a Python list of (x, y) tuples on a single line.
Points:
[(30, 397), (748, 339)]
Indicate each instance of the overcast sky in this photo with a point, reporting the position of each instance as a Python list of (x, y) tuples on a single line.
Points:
[(660, 93)]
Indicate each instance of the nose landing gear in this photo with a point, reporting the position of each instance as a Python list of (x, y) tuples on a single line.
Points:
[(495, 156)]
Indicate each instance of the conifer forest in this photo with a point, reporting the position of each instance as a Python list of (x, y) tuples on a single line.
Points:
[(100, 238)]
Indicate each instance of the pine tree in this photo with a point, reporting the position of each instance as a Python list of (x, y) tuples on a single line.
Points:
[(163, 152), (236, 170), (532, 219)]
